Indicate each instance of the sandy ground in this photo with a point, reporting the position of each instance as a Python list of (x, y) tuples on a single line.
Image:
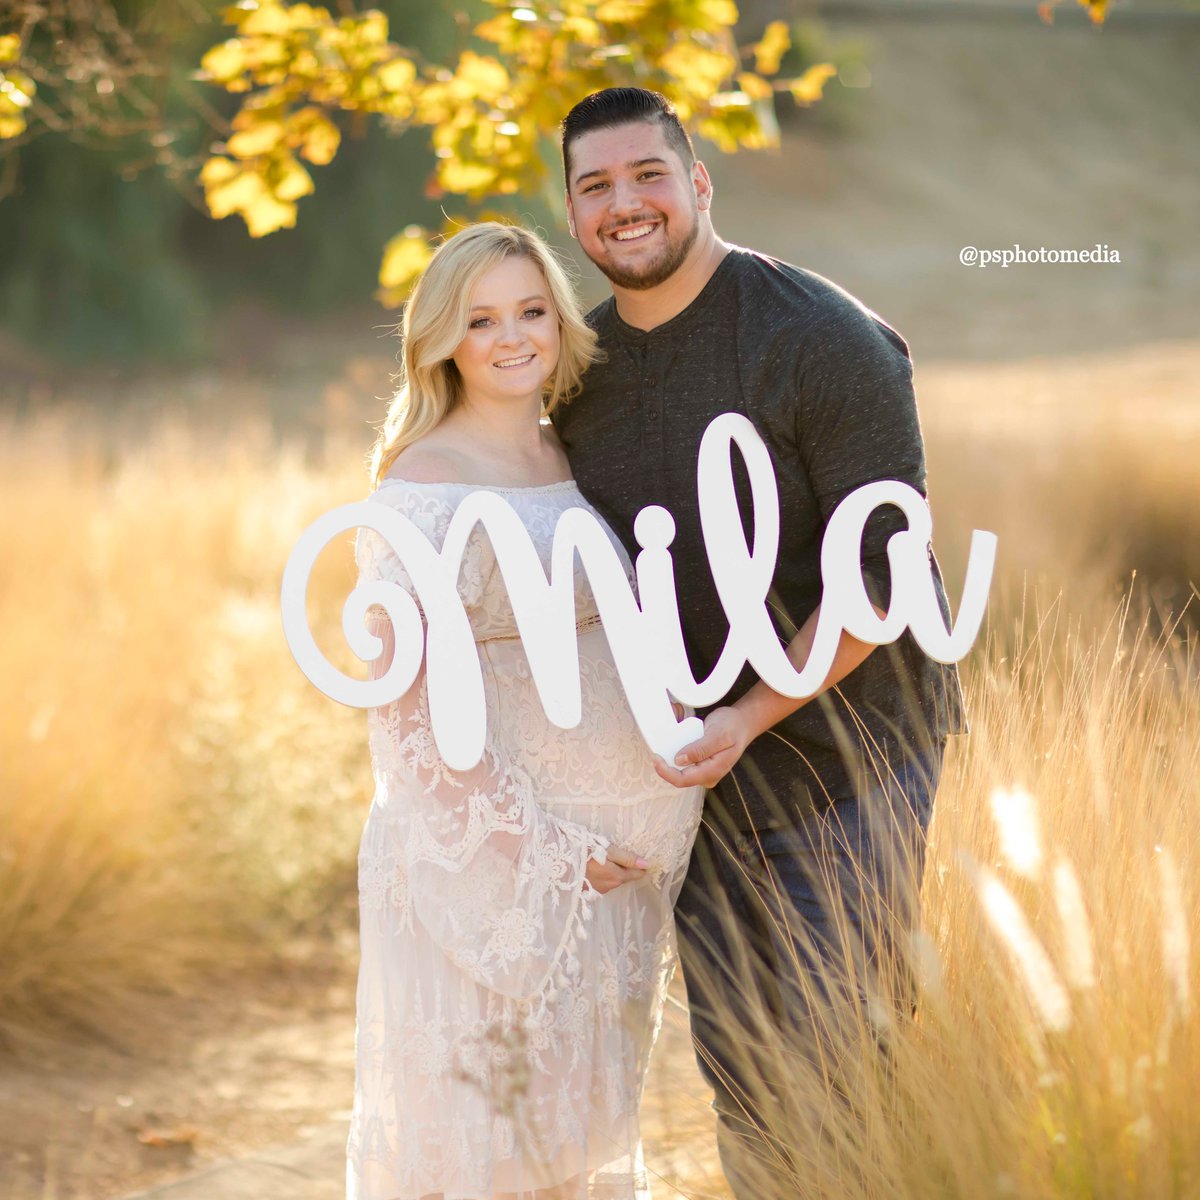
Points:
[(248, 1066), (260, 1064)]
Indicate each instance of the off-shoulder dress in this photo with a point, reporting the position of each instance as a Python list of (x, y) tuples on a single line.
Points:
[(506, 1011)]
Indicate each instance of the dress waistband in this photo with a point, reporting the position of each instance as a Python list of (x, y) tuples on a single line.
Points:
[(583, 625)]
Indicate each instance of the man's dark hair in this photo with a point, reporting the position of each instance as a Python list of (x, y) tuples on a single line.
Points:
[(620, 106)]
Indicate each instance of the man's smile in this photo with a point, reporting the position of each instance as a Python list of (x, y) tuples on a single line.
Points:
[(633, 233)]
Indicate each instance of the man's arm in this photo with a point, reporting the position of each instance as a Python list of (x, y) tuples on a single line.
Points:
[(728, 731)]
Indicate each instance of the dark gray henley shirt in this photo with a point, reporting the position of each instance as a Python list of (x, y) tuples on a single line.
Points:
[(828, 385)]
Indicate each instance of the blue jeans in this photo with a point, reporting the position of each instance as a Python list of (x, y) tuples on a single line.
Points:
[(782, 932)]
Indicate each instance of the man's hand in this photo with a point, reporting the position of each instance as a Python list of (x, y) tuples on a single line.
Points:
[(623, 866), (728, 731), (711, 757)]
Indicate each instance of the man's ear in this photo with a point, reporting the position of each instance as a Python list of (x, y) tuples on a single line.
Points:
[(703, 185), (570, 215)]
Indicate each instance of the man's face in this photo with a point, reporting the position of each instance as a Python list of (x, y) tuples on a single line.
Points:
[(633, 204)]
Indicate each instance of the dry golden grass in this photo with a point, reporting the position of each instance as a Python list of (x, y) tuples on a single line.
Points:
[(175, 793), (1055, 1052)]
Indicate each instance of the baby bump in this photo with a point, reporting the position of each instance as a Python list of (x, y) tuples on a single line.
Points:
[(604, 758), (662, 830)]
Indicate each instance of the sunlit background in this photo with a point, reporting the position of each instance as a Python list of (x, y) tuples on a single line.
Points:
[(180, 808)]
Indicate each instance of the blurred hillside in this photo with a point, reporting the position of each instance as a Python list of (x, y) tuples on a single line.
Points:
[(983, 127)]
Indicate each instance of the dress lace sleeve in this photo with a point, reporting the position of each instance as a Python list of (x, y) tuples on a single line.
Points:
[(497, 882)]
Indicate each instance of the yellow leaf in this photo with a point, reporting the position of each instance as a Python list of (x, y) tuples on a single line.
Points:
[(621, 10), (262, 53), (366, 93), (293, 180), (481, 74), (373, 28), (11, 127), (305, 16), (319, 136), (809, 87), (770, 50), (217, 171), (226, 61), (501, 30), (736, 126), (235, 195), (397, 75), (266, 215), (697, 67), (754, 86), (260, 138), (483, 141), (1095, 9), (267, 19), (404, 258), (396, 105), (717, 132), (718, 12), (10, 48), (433, 104), (464, 178)]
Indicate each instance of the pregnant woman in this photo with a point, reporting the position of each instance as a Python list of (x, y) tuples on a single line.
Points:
[(516, 925)]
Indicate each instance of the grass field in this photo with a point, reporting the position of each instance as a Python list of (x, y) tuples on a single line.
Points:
[(177, 799)]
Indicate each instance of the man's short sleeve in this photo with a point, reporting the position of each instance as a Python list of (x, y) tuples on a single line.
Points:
[(856, 422)]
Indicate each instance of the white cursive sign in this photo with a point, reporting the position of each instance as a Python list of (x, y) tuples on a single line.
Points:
[(646, 639)]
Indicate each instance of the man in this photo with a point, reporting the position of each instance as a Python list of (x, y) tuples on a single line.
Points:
[(818, 808)]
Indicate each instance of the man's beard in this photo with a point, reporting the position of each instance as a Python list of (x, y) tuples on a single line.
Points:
[(657, 272)]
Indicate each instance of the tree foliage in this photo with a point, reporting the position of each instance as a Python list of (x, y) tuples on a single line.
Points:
[(295, 79), (491, 114), (99, 73)]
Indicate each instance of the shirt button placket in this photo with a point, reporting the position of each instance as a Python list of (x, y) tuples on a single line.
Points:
[(651, 401)]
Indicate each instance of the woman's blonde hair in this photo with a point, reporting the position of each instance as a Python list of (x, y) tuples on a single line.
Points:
[(435, 323)]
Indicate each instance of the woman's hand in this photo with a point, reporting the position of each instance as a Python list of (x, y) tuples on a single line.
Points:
[(623, 866)]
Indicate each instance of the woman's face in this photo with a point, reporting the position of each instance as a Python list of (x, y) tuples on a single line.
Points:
[(512, 339)]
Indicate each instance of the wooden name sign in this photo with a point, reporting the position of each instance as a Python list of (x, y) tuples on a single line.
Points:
[(646, 639)]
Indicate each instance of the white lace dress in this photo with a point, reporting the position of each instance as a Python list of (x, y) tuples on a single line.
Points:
[(505, 1010)]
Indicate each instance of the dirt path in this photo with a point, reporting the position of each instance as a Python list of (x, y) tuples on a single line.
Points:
[(247, 1067), (261, 1064)]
